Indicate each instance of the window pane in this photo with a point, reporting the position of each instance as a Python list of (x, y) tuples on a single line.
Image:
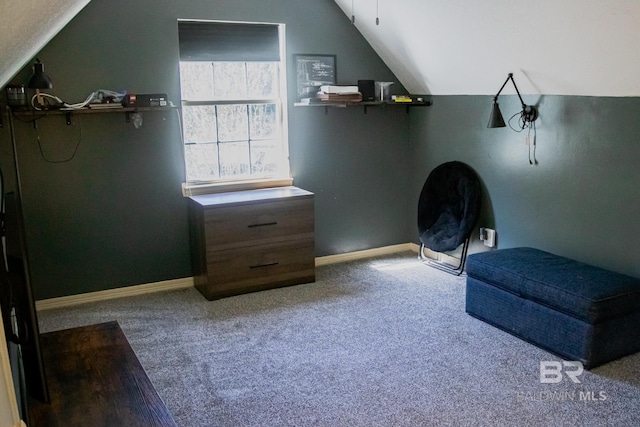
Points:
[(229, 80), (233, 123), (199, 124), (262, 80), (263, 121), (201, 162), (265, 157), (196, 81), (234, 159)]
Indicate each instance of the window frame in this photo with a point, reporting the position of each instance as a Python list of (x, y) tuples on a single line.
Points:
[(283, 177)]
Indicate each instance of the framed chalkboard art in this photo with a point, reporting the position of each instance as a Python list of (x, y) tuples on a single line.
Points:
[(313, 71)]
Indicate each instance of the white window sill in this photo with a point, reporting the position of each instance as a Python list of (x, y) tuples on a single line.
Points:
[(193, 189)]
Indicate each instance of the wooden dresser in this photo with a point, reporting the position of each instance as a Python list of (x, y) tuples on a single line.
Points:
[(252, 240)]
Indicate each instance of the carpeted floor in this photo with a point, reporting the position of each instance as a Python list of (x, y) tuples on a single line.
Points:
[(378, 342)]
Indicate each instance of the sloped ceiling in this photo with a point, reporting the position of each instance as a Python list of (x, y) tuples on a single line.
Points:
[(26, 26), (460, 47), (441, 47)]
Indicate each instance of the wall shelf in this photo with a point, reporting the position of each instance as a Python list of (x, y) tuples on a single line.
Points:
[(68, 112), (365, 105)]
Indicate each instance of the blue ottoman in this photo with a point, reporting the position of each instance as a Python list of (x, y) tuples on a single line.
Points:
[(577, 311)]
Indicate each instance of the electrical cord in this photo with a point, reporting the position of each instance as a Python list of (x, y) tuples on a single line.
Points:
[(523, 124), (34, 121), (47, 97), (73, 154), (530, 144), (98, 95)]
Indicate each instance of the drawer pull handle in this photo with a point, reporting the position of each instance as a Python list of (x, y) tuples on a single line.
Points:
[(263, 224), (271, 264)]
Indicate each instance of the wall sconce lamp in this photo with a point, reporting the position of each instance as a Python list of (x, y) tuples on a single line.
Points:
[(528, 114)]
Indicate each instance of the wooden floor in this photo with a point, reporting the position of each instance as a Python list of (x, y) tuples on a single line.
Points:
[(96, 380)]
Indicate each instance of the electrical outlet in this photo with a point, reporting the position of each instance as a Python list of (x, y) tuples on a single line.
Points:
[(489, 237)]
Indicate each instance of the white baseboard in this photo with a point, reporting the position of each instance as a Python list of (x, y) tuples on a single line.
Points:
[(127, 291), (187, 282), (367, 253)]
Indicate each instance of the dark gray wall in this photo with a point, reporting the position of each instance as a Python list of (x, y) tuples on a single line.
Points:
[(356, 164), (114, 215), (581, 200)]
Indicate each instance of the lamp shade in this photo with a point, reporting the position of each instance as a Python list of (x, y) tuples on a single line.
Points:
[(39, 80), (495, 119)]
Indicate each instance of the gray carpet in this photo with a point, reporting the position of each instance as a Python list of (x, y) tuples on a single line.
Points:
[(378, 342)]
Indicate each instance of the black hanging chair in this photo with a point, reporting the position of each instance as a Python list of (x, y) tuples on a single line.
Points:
[(447, 212)]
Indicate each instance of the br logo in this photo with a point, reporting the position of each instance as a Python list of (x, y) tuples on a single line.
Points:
[(551, 372)]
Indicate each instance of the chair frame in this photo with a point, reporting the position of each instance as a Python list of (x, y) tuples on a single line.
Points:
[(446, 267)]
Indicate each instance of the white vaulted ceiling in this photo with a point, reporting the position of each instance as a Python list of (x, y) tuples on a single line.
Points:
[(26, 26), (441, 47), (463, 47)]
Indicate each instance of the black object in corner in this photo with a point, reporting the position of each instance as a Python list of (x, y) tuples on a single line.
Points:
[(448, 209)]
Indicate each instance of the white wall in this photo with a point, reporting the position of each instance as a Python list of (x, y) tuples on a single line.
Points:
[(442, 47), (462, 47), (27, 25)]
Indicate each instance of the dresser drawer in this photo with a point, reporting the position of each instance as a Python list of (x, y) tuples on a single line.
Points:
[(254, 224), (240, 270), (251, 240)]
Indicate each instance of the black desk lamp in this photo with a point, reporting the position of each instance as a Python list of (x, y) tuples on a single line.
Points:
[(39, 80), (528, 114)]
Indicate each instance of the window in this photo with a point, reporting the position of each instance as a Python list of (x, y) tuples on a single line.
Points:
[(233, 98)]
